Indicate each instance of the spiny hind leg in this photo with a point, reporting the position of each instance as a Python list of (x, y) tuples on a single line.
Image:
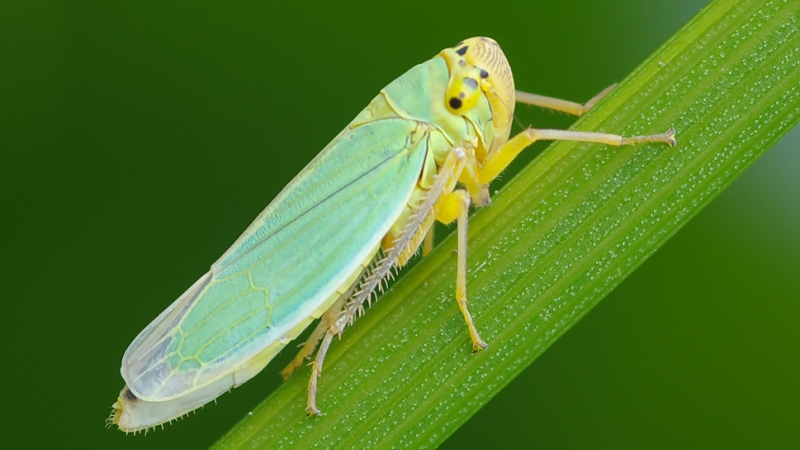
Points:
[(327, 319), (433, 204), (502, 157), (450, 207), (316, 373), (310, 344), (557, 104)]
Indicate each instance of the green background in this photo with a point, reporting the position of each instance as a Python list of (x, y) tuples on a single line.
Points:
[(138, 141)]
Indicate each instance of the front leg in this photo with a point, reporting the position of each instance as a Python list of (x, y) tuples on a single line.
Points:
[(502, 157), (557, 104), (455, 206)]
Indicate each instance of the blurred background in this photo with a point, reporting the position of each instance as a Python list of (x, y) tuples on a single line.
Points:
[(139, 140)]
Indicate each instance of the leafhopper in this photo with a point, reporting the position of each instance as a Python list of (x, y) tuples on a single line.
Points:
[(423, 150)]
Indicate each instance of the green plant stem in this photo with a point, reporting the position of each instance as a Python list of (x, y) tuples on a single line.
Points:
[(557, 239)]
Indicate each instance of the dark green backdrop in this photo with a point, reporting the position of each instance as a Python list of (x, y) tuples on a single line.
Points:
[(138, 141)]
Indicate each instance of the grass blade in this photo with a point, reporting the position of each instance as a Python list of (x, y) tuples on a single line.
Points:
[(557, 239)]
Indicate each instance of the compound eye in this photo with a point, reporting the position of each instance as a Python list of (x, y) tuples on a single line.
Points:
[(464, 90)]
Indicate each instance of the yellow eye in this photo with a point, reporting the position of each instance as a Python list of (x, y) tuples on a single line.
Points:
[(464, 90)]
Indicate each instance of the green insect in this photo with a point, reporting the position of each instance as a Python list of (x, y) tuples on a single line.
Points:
[(423, 150)]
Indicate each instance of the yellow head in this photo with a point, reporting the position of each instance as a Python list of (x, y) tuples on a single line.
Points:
[(482, 69), (479, 68)]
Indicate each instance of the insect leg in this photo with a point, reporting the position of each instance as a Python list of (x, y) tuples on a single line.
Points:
[(455, 206), (316, 372), (327, 319), (427, 243), (444, 184), (310, 344), (557, 104), (502, 157)]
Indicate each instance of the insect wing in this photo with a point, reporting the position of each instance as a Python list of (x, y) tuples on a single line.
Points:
[(304, 245)]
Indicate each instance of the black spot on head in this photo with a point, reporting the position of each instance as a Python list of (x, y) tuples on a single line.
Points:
[(455, 102), (461, 63), (463, 50), (484, 74), (471, 82), (461, 95)]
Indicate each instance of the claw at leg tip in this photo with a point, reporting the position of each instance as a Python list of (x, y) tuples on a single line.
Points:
[(671, 137), (287, 372), (478, 346)]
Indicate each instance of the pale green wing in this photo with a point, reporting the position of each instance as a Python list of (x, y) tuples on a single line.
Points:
[(296, 253)]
